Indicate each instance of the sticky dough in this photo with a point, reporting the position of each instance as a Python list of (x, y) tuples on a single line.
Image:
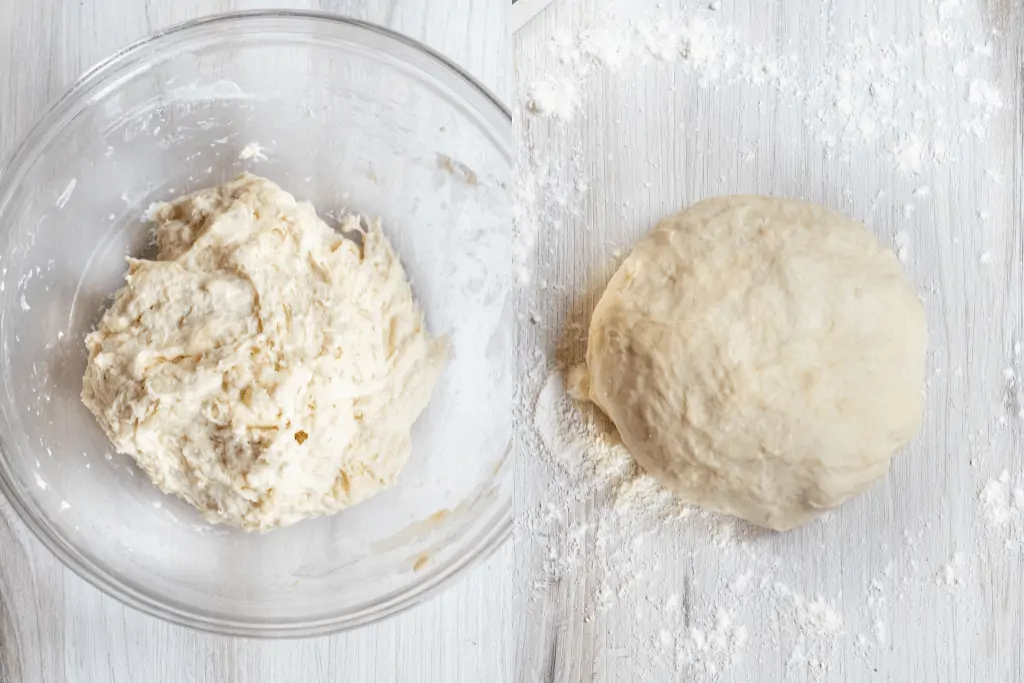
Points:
[(265, 368)]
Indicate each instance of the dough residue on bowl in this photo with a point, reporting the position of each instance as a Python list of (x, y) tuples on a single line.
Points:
[(265, 368)]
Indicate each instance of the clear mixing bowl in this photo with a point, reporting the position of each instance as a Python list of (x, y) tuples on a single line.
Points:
[(352, 118)]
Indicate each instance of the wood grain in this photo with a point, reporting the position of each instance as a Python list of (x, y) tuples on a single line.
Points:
[(54, 626), (647, 141)]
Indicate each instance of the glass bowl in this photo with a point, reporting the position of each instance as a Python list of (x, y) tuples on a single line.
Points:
[(350, 117)]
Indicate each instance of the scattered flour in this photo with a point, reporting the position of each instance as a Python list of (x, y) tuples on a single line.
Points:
[(817, 616), (901, 244), (598, 522), (553, 97), (865, 99), (587, 446), (711, 649), (952, 574), (600, 513), (699, 637), (864, 94), (1001, 504), (254, 151), (986, 96), (548, 192)]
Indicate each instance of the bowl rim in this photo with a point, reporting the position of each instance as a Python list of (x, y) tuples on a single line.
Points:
[(486, 542)]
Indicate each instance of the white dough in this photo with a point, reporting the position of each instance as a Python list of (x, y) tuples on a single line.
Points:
[(760, 357), (264, 368)]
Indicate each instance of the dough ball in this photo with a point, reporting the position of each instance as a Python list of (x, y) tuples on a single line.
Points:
[(760, 357), (264, 368)]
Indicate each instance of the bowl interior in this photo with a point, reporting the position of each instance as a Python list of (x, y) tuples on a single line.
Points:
[(349, 119)]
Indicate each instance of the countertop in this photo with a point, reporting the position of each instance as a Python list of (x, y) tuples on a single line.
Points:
[(53, 625), (907, 116)]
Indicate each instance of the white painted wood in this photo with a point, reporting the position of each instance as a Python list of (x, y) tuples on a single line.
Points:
[(55, 627), (648, 141), (525, 10)]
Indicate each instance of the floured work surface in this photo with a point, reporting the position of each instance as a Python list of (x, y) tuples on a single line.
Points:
[(903, 119)]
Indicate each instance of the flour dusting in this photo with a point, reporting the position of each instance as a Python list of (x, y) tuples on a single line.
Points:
[(675, 592), (254, 151), (1001, 504)]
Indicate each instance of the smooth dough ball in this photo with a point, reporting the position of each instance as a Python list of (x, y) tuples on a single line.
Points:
[(265, 368), (760, 357)]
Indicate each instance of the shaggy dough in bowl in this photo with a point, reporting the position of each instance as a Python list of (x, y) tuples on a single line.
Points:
[(760, 357), (265, 368)]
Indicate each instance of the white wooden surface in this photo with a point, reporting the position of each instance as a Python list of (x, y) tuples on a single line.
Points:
[(646, 141), (54, 626)]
